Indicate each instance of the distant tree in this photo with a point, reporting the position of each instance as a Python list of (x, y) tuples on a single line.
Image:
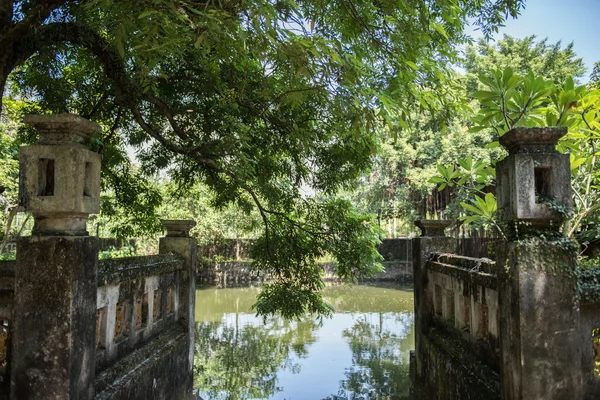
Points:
[(9, 175), (595, 76), (549, 61)]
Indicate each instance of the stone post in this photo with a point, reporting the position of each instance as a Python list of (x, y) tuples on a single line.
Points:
[(432, 241), (54, 352), (178, 241), (540, 341)]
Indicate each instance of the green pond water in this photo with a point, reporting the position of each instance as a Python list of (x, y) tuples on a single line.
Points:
[(362, 352)]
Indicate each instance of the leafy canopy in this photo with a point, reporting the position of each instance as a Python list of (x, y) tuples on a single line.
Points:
[(253, 98)]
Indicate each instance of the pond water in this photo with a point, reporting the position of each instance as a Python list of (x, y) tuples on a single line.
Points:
[(362, 352)]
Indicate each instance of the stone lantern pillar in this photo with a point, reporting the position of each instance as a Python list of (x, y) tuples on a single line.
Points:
[(53, 354), (432, 241), (178, 241), (540, 345)]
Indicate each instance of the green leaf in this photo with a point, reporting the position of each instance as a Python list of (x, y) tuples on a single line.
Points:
[(412, 65), (441, 30), (200, 39)]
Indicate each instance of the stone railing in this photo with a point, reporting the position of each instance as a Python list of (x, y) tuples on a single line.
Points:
[(140, 314), (138, 298), (464, 301), (124, 330), (144, 321), (7, 282), (589, 282)]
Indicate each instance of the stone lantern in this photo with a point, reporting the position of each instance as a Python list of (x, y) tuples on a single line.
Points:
[(178, 227), (433, 227), (534, 181), (59, 176)]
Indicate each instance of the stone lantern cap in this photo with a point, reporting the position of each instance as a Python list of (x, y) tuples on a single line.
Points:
[(433, 227), (178, 227), (533, 140), (62, 129)]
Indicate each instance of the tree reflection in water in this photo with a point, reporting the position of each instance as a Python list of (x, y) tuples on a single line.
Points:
[(242, 363), (363, 351), (380, 360)]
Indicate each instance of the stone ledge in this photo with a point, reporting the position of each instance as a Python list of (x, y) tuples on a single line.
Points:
[(117, 270), (139, 363), (466, 275), (474, 264)]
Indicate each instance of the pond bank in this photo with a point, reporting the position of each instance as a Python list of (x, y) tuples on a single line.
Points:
[(227, 264)]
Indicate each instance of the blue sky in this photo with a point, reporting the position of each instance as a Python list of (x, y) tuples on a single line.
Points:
[(576, 21)]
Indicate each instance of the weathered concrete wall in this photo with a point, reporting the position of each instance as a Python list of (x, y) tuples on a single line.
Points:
[(239, 249), (227, 249), (540, 333), (157, 370), (7, 287), (228, 273), (232, 273), (398, 250), (220, 266), (456, 323), (450, 370), (53, 333), (590, 331), (395, 271), (590, 349)]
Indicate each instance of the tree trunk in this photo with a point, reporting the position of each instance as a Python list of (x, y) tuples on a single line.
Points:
[(4, 71)]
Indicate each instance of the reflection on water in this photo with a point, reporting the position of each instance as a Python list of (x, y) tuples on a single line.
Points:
[(362, 352)]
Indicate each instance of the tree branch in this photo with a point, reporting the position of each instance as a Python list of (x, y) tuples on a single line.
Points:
[(40, 11), (300, 90), (127, 93), (6, 14), (97, 106)]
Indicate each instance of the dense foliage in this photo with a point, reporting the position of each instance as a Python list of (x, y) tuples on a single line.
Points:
[(255, 99), (399, 186)]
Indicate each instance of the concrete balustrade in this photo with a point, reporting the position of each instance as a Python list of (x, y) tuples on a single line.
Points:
[(469, 296), (132, 299), (80, 328), (514, 329)]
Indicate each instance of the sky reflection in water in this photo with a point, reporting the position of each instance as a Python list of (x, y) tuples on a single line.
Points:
[(362, 352)]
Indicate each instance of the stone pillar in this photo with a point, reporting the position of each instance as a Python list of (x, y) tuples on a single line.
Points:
[(53, 355), (178, 241), (540, 341), (432, 241)]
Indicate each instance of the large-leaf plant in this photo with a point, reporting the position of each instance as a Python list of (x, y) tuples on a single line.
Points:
[(509, 101)]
